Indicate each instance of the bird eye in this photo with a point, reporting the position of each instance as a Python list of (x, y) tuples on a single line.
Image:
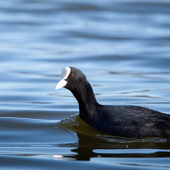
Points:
[(72, 75)]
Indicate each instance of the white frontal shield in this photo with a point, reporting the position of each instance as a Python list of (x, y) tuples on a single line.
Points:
[(64, 74)]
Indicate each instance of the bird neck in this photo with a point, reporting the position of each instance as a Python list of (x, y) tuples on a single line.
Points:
[(87, 101)]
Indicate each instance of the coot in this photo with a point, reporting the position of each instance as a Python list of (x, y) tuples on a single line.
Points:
[(124, 121)]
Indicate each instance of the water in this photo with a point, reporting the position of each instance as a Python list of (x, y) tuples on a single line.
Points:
[(123, 47)]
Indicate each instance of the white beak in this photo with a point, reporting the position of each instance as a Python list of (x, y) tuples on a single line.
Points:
[(64, 74)]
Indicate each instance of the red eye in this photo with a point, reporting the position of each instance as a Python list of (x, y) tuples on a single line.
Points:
[(72, 75)]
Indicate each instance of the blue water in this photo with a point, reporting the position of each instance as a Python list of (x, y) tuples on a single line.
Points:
[(123, 48)]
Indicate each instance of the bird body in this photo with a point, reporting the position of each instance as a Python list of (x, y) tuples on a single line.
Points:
[(124, 121), (132, 121)]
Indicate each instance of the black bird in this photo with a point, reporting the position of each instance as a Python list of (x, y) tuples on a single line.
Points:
[(124, 121)]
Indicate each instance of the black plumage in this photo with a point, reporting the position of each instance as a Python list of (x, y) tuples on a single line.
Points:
[(124, 121)]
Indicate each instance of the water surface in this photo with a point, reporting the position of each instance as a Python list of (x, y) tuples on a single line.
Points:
[(123, 47)]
